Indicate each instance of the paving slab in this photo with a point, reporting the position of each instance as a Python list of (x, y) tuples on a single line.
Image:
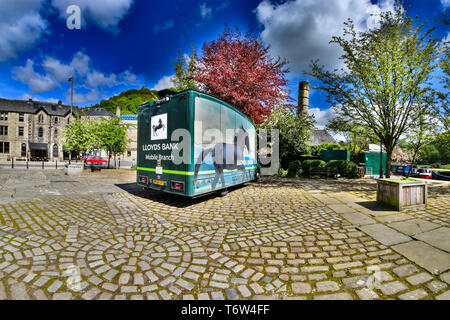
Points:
[(357, 218), (426, 256), (385, 235), (395, 218), (341, 208), (414, 226), (439, 238)]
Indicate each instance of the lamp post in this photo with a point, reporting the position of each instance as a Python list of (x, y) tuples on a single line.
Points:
[(71, 111)]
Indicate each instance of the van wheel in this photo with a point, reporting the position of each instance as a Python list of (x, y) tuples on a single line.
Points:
[(223, 193), (257, 176)]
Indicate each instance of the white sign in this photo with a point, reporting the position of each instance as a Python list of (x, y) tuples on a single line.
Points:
[(159, 170), (375, 148), (158, 128)]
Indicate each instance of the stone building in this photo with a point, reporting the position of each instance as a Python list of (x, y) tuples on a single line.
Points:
[(32, 130)]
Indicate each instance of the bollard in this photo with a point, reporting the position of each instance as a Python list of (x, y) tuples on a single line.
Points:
[(12, 163), (27, 163), (119, 164), (56, 164), (42, 164)]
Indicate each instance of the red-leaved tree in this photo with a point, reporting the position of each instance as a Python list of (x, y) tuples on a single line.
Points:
[(239, 70)]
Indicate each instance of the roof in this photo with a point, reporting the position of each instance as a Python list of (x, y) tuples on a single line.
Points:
[(320, 137), (98, 112), (30, 106), (129, 117)]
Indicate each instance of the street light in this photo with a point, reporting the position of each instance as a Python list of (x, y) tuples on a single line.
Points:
[(71, 110)]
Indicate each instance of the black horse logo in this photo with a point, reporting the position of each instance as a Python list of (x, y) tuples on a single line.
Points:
[(159, 126), (219, 156)]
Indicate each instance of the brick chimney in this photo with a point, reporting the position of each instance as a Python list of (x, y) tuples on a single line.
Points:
[(118, 111), (303, 97)]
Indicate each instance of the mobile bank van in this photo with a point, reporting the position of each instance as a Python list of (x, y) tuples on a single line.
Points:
[(192, 144)]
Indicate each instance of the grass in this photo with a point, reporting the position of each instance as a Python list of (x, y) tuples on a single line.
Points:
[(401, 180)]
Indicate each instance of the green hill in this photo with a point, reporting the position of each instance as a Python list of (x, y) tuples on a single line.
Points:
[(128, 100)]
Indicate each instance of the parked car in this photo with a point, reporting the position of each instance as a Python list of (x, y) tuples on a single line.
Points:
[(90, 161)]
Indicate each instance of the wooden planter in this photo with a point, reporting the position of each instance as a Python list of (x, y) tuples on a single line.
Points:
[(402, 194)]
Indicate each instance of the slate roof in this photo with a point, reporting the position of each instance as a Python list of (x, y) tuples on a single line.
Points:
[(98, 112), (321, 137), (27, 106)]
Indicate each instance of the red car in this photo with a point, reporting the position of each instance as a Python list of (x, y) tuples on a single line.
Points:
[(89, 161)]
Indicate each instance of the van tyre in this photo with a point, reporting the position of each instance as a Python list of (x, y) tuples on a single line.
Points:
[(257, 176), (223, 193)]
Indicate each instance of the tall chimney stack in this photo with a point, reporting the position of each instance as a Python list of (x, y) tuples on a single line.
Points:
[(303, 97), (118, 111)]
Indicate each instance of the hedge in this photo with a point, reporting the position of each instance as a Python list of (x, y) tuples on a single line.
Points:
[(294, 168), (345, 168), (312, 164)]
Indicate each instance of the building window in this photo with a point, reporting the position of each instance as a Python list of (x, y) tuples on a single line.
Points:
[(41, 118), (20, 131), (56, 133), (4, 147), (4, 116), (41, 132), (3, 130), (24, 150), (21, 117), (56, 120)]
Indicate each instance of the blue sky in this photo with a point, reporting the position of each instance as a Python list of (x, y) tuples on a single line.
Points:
[(126, 44)]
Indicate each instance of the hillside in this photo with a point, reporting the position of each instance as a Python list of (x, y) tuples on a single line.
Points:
[(128, 100)]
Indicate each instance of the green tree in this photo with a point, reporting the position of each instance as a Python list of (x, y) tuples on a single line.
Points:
[(419, 136), (357, 137), (81, 136), (294, 132), (113, 136), (385, 85), (184, 68)]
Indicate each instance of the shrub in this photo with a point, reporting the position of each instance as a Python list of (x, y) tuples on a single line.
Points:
[(345, 168), (436, 165), (281, 172), (294, 168), (311, 164)]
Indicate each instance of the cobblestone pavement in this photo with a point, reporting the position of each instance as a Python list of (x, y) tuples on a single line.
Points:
[(102, 237)]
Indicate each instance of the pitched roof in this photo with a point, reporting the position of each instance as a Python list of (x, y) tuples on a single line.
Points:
[(30, 106), (98, 112), (320, 137)]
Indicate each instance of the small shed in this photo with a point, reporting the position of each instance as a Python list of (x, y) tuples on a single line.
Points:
[(371, 163), (328, 155)]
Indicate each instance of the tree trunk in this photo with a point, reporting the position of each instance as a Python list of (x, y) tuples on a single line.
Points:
[(388, 161), (412, 164)]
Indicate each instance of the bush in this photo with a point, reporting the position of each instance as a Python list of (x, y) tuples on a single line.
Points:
[(345, 168), (281, 172), (435, 165), (294, 168), (312, 164)]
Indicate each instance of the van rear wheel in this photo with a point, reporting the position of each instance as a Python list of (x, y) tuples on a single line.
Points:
[(223, 193)]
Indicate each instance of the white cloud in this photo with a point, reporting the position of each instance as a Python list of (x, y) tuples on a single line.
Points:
[(205, 11), (106, 14), (164, 83), (57, 73), (300, 30), (166, 26), (445, 3), (21, 26), (36, 82), (322, 117)]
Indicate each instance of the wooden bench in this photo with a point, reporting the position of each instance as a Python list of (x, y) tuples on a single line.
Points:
[(323, 171)]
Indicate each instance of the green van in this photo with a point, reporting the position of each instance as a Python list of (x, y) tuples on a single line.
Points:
[(193, 144)]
